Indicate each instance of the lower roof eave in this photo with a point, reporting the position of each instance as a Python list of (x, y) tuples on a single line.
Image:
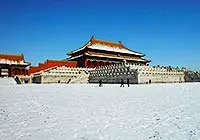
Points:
[(140, 60), (26, 65), (72, 58)]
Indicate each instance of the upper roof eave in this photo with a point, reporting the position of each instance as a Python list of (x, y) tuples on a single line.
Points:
[(81, 48), (95, 41), (134, 53)]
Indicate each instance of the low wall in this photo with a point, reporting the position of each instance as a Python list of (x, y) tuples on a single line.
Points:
[(149, 74), (136, 74), (113, 74), (62, 75)]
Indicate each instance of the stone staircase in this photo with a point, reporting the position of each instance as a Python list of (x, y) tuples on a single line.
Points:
[(192, 76), (113, 74), (83, 78)]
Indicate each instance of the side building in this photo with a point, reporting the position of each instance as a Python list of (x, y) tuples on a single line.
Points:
[(13, 65)]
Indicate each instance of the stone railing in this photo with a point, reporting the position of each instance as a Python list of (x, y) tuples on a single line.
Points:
[(113, 74), (158, 74), (136, 74)]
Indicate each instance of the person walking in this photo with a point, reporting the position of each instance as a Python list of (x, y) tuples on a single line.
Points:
[(128, 82), (100, 83), (122, 83)]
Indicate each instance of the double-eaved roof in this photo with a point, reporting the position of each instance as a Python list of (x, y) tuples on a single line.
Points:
[(13, 59), (106, 46)]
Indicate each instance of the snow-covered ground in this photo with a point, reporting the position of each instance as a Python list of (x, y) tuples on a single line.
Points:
[(7, 81), (87, 112)]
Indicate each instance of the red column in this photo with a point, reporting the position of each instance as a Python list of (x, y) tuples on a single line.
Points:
[(95, 63), (104, 63), (91, 63), (100, 63), (27, 72), (86, 63), (11, 71), (24, 71)]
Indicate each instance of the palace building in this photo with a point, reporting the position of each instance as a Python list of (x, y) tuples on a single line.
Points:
[(12, 65), (100, 53)]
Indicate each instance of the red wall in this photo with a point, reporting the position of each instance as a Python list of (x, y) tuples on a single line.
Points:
[(51, 63)]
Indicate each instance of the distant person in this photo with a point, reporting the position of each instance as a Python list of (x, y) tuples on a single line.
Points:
[(128, 82), (150, 81), (68, 81), (100, 83), (122, 83)]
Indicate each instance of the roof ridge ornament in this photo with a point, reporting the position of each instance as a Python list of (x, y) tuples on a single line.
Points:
[(92, 39)]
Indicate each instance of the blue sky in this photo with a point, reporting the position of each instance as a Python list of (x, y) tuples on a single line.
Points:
[(167, 31)]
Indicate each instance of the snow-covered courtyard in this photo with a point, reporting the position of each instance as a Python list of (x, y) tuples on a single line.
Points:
[(87, 112)]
